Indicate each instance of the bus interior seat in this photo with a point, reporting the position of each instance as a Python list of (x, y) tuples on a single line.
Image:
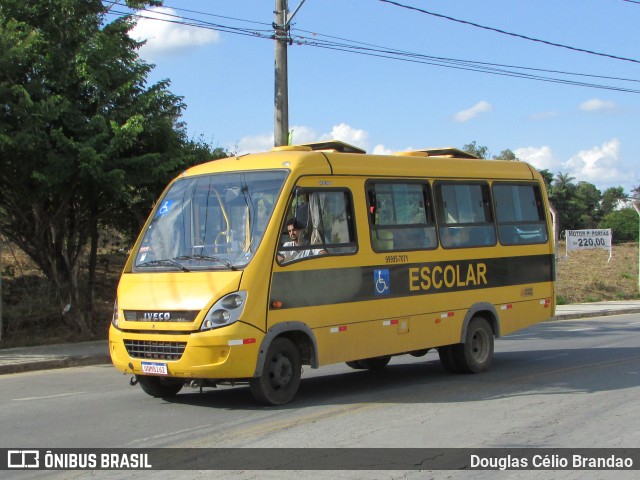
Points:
[(382, 240)]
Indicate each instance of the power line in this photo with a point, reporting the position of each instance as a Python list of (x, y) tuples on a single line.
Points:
[(362, 48), (471, 62), (504, 32), (461, 66)]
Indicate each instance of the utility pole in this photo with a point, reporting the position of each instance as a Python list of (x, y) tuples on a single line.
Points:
[(281, 27), (281, 97), (636, 205)]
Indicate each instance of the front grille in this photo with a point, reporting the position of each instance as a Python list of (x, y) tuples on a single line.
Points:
[(149, 349), (160, 316)]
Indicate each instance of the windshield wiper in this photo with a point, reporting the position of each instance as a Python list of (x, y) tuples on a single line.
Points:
[(226, 263), (164, 261)]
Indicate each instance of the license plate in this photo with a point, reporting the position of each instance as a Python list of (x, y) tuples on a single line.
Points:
[(155, 368)]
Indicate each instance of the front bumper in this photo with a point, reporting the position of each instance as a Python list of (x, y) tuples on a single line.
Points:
[(225, 353)]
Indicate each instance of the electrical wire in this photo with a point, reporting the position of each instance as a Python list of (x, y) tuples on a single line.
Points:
[(504, 32), (355, 47), (470, 62)]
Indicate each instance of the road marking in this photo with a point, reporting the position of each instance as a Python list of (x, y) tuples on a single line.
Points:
[(46, 396)]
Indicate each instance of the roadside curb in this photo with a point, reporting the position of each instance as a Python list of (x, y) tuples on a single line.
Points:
[(55, 363), (29, 359), (601, 313)]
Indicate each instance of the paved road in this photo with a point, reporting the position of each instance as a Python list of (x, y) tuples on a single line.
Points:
[(15, 360), (558, 384)]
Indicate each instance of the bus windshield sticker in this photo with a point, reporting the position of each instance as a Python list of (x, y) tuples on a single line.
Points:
[(166, 206)]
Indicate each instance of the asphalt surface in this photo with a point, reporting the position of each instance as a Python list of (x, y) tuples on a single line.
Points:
[(45, 357)]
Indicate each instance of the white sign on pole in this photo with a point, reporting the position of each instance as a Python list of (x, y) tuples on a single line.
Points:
[(588, 239)]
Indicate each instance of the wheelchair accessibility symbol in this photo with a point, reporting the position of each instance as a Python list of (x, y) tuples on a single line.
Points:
[(166, 206), (382, 282)]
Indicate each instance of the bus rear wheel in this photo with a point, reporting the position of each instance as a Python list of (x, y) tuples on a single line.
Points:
[(281, 373), (476, 353), (375, 363), (159, 387), (355, 364)]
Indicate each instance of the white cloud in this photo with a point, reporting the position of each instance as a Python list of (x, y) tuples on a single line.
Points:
[(540, 157), (601, 165), (382, 150), (597, 105), (164, 37), (302, 134), (253, 144), (348, 134), (470, 113), (598, 164)]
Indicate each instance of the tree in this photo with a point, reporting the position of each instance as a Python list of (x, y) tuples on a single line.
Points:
[(623, 223), (561, 196), (587, 202), (82, 136), (506, 155), (547, 176), (474, 149), (611, 198)]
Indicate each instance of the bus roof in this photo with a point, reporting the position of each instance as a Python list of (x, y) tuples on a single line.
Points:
[(339, 158)]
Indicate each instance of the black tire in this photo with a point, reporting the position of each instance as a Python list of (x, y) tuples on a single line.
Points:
[(476, 353), (375, 363), (355, 364), (160, 387), (281, 372), (447, 359), (419, 353)]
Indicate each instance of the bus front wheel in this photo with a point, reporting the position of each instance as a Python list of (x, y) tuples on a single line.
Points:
[(159, 387), (281, 373), (476, 353)]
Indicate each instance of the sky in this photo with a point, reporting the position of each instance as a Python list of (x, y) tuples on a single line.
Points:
[(395, 78)]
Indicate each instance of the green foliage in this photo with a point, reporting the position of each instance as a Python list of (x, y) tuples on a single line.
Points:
[(623, 223), (587, 202), (506, 155), (610, 199), (477, 150), (547, 176), (83, 139)]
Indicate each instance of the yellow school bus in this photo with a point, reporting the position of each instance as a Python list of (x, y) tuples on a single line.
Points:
[(250, 267)]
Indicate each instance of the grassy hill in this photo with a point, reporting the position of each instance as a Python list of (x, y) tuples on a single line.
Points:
[(30, 317), (589, 276)]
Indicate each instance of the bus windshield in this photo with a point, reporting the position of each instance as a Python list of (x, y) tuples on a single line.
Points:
[(210, 222)]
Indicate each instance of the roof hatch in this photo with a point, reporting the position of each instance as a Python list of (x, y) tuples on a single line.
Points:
[(334, 146), (448, 152)]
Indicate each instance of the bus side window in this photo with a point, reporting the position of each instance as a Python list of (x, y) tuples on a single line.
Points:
[(401, 216), (465, 218), (326, 218), (520, 213)]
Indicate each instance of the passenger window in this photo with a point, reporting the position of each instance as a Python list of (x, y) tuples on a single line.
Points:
[(464, 215), (400, 216), (319, 222), (520, 214)]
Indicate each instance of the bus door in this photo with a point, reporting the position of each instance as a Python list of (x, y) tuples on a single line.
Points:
[(312, 283)]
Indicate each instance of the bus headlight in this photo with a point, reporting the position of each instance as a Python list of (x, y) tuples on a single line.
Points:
[(225, 311), (114, 318)]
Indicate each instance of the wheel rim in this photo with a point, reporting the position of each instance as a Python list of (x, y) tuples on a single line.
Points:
[(280, 371), (480, 346)]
